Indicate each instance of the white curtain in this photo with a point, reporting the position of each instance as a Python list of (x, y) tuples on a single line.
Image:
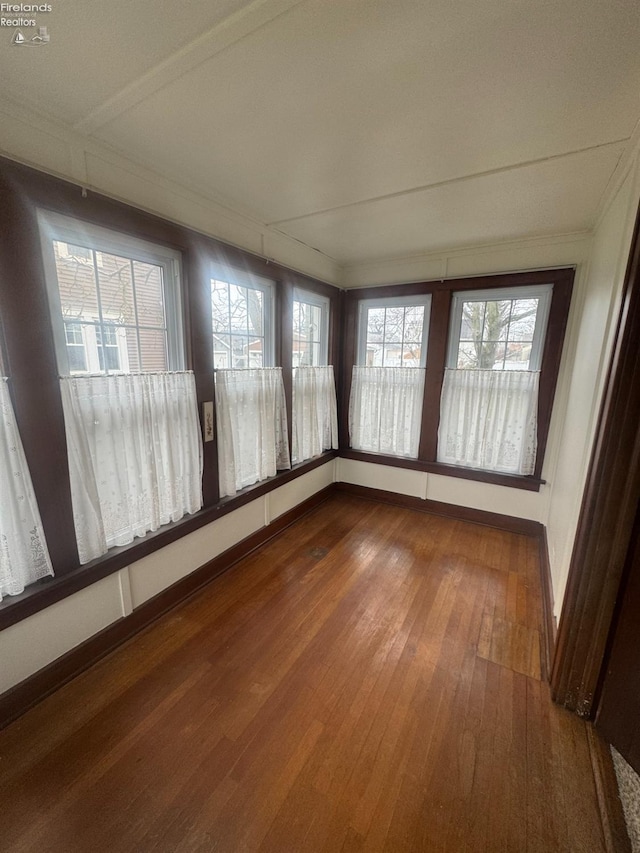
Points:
[(385, 409), (488, 420), (135, 455), (23, 551), (251, 415), (315, 417)]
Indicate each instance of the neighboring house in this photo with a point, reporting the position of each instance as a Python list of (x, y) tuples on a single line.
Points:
[(100, 330)]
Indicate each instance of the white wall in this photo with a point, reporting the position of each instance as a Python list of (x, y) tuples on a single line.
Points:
[(592, 342), (38, 640), (435, 487)]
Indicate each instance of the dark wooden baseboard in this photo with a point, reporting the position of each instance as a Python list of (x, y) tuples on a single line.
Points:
[(546, 584), (50, 678), (614, 827), (462, 513)]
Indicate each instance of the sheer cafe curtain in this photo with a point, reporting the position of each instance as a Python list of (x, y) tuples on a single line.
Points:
[(315, 417), (488, 420), (23, 551), (385, 409), (135, 455), (253, 441)]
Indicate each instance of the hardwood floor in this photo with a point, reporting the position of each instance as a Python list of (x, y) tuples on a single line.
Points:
[(368, 681)]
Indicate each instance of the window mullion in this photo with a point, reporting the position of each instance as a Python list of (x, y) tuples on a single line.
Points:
[(436, 360), (135, 311), (100, 322)]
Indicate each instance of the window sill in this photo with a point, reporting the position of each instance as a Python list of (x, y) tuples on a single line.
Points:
[(48, 591), (513, 481)]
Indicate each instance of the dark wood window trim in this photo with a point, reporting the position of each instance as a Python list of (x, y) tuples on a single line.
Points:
[(29, 360), (513, 481), (441, 294)]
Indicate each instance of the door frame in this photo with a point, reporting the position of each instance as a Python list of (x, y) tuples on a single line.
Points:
[(607, 514)]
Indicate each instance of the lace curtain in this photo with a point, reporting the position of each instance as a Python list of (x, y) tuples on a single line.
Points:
[(135, 455), (23, 551), (251, 415), (315, 418), (385, 409), (488, 420)]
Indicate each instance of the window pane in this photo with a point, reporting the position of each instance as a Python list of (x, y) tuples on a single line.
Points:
[(220, 306), (149, 294), (111, 294), (411, 355), (76, 283), (315, 323), (111, 346), (467, 355), (238, 312), (246, 351), (487, 326), (392, 355), (255, 310), (238, 323), (153, 350), (523, 319), (75, 348), (496, 320), (394, 325), (116, 289), (472, 321), (414, 322), (221, 351), (517, 356), (375, 325), (130, 350), (394, 336), (308, 329), (255, 356)]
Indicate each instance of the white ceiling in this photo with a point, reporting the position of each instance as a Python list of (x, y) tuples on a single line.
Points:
[(364, 128)]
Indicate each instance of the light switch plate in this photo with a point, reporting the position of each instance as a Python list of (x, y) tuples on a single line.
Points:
[(207, 420)]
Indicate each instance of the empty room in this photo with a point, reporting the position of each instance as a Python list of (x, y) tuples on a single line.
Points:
[(320, 426)]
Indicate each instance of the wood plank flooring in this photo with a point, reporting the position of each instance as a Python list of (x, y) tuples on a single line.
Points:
[(368, 681)]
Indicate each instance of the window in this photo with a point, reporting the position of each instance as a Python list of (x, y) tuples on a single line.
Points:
[(387, 383), (115, 300), (393, 332), (494, 352), (310, 329), (500, 329), (130, 410), (108, 348), (242, 315), (489, 404), (253, 442), (314, 409), (76, 351)]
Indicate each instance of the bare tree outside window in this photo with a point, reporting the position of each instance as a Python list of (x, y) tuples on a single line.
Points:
[(307, 334), (497, 334), (238, 316)]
